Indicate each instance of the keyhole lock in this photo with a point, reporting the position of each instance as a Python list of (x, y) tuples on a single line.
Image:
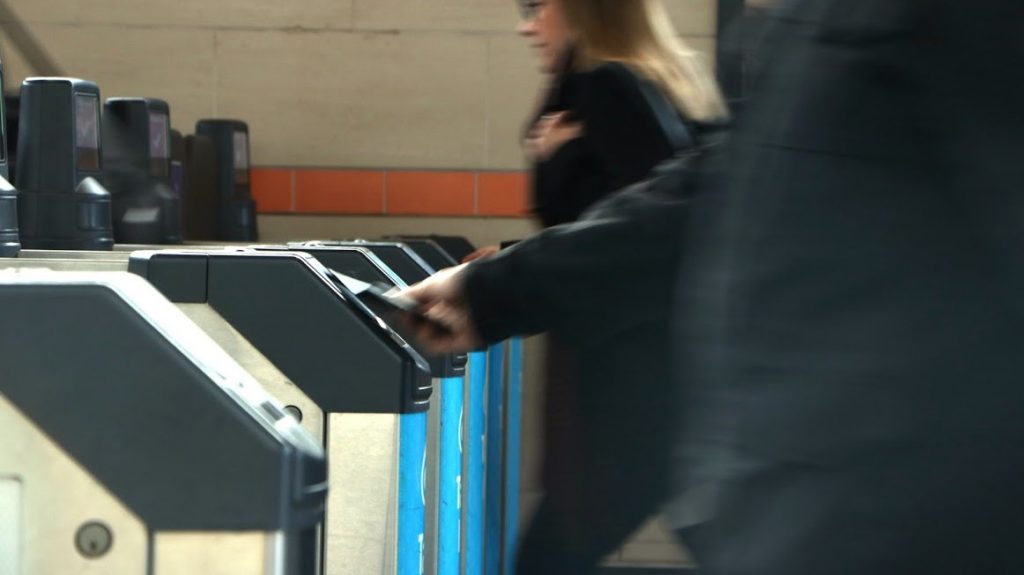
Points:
[(93, 539)]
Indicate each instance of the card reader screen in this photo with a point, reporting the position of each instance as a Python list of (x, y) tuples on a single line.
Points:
[(159, 145), (3, 122), (87, 133), (158, 132), (241, 153)]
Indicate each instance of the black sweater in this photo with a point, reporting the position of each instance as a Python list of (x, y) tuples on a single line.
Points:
[(625, 123)]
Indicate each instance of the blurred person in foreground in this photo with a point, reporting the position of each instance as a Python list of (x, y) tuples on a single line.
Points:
[(624, 94), (848, 312)]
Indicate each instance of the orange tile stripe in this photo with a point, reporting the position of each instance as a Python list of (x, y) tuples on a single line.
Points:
[(466, 193)]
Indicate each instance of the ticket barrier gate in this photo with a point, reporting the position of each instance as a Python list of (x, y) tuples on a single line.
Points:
[(236, 209), (143, 448), (360, 380), (395, 264), (200, 200), (429, 251), (295, 401), (61, 203), (457, 247), (498, 370), (504, 422), (137, 171), (373, 388), (485, 477)]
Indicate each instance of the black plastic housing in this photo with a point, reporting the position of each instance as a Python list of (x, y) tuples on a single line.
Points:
[(137, 171), (200, 199), (431, 252), (316, 332), (61, 203), (10, 243), (402, 261), (236, 208), (457, 247), (136, 412)]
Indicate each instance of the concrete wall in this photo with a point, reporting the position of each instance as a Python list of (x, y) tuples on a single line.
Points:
[(354, 83)]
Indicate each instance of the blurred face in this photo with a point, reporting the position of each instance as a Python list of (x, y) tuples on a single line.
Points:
[(544, 24)]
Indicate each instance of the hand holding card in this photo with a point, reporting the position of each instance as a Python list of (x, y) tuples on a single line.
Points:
[(392, 299)]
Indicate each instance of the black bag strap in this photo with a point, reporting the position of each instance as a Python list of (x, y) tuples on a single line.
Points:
[(676, 132)]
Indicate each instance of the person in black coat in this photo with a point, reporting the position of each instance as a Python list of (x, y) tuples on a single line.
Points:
[(848, 308), (852, 320), (623, 97)]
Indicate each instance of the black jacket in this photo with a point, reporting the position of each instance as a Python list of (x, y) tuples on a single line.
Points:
[(853, 318), (629, 126), (592, 280), (600, 285)]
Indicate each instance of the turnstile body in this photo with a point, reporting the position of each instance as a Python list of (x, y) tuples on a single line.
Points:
[(137, 171), (134, 444), (350, 380), (295, 401), (236, 221), (200, 199), (372, 387), (61, 204), (395, 264), (495, 374)]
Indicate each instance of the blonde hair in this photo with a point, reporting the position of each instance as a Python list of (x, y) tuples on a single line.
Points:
[(639, 34)]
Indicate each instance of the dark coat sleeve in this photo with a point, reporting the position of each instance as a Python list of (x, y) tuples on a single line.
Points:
[(622, 141), (978, 90), (589, 280), (864, 289)]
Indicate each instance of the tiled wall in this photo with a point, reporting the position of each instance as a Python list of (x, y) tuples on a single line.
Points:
[(390, 192)]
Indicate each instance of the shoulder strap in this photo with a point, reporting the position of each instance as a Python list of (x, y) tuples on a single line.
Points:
[(676, 132)]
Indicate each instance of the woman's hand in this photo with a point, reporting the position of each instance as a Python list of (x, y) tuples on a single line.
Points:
[(549, 134), (483, 252)]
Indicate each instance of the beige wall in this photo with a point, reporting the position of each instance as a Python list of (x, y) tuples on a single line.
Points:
[(340, 83), (352, 83)]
